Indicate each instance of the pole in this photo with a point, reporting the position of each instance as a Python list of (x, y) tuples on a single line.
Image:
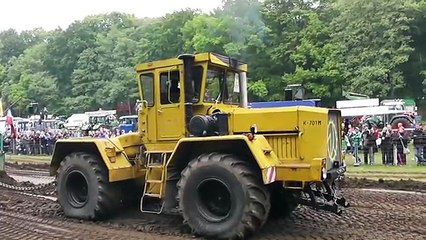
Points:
[(129, 106), (2, 155), (11, 106)]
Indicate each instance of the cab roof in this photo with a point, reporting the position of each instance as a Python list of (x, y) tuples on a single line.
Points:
[(214, 58)]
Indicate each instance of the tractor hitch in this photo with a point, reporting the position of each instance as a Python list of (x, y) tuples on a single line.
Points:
[(326, 195)]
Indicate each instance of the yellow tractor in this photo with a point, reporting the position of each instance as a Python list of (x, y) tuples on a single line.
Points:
[(202, 153)]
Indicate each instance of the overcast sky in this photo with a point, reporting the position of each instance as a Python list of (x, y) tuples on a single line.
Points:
[(49, 14)]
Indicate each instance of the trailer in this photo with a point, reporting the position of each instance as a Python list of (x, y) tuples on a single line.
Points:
[(307, 102)]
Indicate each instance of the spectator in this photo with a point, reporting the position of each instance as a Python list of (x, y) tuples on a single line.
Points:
[(369, 143), (419, 135), (401, 142), (386, 146), (356, 144)]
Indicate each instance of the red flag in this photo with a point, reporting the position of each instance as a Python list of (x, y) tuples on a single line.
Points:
[(9, 121)]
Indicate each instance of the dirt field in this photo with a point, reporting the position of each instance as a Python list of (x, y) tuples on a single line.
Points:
[(374, 214)]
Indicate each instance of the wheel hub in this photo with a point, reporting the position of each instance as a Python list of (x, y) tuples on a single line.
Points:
[(214, 198), (77, 189)]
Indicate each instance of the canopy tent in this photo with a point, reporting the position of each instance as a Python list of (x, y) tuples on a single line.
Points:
[(374, 102), (362, 111)]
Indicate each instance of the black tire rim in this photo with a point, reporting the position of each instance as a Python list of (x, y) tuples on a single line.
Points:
[(214, 199), (77, 189)]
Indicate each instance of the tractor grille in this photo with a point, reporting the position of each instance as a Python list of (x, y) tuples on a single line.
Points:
[(334, 152), (285, 146)]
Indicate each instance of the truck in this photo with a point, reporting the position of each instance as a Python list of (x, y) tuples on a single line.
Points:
[(201, 153), (294, 95), (128, 123), (99, 119)]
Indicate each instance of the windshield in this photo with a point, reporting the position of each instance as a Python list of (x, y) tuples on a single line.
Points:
[(222, 86), (98, 120), (128, 121)]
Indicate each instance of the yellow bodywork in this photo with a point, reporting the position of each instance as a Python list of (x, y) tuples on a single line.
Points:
[(115, 153), (293, 144)]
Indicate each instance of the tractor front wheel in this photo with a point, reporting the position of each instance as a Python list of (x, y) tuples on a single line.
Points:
[(220, 196), (83, 188)]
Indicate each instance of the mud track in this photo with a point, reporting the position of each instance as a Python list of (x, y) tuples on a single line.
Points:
[(28, 166), (373, 215), (21, 226), (409, 185)]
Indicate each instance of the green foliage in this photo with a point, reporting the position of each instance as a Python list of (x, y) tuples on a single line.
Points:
[(314, 58), (373, 41), (371, 47), (258, 89), (161, 38)]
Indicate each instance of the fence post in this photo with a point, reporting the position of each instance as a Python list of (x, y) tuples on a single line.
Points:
[(2, 155), (13, 142)]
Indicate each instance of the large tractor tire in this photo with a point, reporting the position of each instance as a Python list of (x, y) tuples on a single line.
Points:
[(83, 188), (220, 196), (400, 119), (283, 201)]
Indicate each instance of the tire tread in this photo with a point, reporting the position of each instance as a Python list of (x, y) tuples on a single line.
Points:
[(257, 209), (108, 199)]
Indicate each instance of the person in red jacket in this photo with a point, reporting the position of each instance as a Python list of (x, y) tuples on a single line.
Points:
[(376, 132)]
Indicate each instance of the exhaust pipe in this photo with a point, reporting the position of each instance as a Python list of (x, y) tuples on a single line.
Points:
[(243, 90), (188, 63)]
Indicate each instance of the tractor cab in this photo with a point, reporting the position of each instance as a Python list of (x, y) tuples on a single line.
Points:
[(99, 119), (213, 83)]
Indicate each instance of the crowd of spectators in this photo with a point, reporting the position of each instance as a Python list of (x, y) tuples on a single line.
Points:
[(365, 138), (392, 143), (103, 133), (32, 142)]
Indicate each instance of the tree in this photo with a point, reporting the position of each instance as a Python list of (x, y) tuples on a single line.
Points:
[(66, 46), (162, 38), (414, 69), (371, 47), (314, 58), (373, 42), (284, 20)]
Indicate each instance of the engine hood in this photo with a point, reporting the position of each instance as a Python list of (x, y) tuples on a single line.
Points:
[(277, 119), (306, 132)]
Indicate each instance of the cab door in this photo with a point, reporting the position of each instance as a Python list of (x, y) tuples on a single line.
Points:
[(170, 110), (146, 108)]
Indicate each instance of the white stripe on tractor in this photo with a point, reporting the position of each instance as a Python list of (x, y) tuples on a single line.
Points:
[(271, 174)]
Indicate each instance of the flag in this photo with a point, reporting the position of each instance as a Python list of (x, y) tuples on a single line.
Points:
[(9, 121)]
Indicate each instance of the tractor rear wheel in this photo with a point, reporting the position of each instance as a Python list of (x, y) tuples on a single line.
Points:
[(283, 201), (83, 188), (220, 196)]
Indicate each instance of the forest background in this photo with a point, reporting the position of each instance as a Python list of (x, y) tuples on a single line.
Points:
[(377, 48)]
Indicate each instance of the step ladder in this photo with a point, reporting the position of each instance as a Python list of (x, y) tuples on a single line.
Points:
[(152, 198)]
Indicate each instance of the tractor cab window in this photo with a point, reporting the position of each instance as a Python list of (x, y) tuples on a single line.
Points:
[(170, 87), (92, 120), (147, 84), (232, 89), (221, 86), (197, 75)]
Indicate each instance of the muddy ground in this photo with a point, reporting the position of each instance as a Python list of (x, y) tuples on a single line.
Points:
[(372, 215), (408, 185)]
